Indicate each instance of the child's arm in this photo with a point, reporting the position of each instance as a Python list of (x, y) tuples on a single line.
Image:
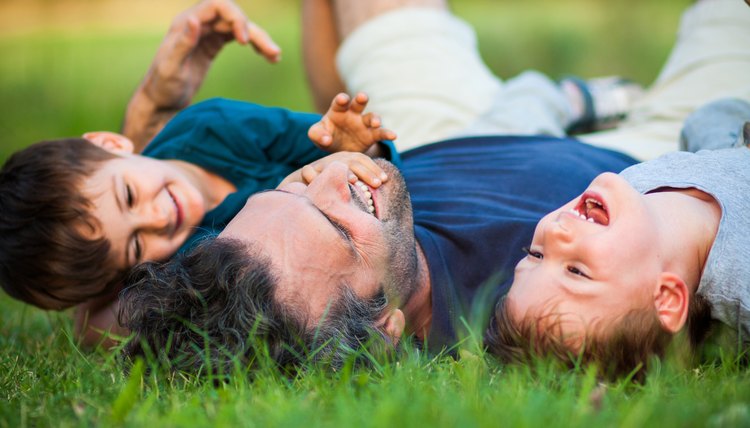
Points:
[(345, 128), (361, 167), (194, 39), (95, 321)]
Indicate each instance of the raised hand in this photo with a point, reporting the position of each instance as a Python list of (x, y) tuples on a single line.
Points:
[(345, 128), (184, 57)]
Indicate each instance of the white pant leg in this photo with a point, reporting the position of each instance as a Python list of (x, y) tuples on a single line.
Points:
[(424, 75), (710, 60)]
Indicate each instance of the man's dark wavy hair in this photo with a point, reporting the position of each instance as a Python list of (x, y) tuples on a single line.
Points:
[(213, 310), (626, 348), (45, 258)]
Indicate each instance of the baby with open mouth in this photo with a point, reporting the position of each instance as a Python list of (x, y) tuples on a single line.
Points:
[(613, 275)]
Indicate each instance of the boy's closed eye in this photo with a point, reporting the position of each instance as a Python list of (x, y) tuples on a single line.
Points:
[(135, 243)]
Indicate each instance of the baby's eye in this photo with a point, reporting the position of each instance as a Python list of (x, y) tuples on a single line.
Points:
[(532, 253), (575, 271)]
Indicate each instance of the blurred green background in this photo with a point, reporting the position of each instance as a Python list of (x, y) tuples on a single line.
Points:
[(69, 66)]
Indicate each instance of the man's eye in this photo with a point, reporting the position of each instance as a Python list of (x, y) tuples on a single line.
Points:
[(575, 271), (129, 195), (344, 231), (532, 253)]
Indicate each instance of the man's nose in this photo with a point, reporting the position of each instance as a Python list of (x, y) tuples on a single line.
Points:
[(332, 185)]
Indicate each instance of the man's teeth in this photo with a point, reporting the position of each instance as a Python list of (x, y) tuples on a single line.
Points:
[(368, 196), (581, 216)]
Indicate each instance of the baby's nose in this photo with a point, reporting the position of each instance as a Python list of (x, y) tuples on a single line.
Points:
[(559, 230)]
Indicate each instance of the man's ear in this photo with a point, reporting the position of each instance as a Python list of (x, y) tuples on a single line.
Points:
[(392, 323), (111, 142), (672, 301)]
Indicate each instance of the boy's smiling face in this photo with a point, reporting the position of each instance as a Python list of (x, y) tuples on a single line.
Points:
[(146, 208), (593, 260)]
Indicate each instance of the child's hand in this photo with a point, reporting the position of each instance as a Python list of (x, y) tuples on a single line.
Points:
[(345, 128), (361, 167)]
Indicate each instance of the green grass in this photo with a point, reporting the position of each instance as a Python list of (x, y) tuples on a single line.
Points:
[(60, 81)]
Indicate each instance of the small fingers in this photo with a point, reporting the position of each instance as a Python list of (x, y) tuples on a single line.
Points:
[(359, 102), (382, 134), (309, 172), (340, 103), (263, 43), (367, 170), (372, 120), (320, 136)]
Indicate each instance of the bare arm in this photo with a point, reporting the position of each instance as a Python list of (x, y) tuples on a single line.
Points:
[(184, 57), (320, 42), (95, 321)]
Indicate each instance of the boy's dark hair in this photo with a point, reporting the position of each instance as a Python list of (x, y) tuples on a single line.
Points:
[(45, 259), (627, 348), (214, 307)]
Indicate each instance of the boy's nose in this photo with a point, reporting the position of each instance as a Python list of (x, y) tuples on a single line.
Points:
[(154, 219)]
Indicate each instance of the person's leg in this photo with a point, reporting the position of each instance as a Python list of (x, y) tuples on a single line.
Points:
[(421, 67), (710, 60), (320, 41)]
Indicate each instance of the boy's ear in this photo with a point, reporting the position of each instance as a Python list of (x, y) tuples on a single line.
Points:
[(672, 301), (392, 323), (111, 142)]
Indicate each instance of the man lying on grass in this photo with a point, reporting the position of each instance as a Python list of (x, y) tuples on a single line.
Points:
[(77, 214), (612, 275), (117, 209)]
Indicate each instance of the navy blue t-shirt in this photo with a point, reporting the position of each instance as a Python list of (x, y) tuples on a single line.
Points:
[(476, 203)]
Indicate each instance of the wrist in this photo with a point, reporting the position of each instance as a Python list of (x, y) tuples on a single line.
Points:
[(144, 119)]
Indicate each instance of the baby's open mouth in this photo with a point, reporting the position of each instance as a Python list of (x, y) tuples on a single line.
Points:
[(591, 208)]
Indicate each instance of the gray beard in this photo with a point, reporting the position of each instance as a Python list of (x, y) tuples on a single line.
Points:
[(402, 280)]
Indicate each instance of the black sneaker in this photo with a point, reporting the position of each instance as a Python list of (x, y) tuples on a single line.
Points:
[(606, 102)]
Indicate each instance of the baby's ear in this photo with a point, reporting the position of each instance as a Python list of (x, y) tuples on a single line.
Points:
[(672, 300), (392, 323), (111, 142)]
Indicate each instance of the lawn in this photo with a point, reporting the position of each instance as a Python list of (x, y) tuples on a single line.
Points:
[(70, 65)]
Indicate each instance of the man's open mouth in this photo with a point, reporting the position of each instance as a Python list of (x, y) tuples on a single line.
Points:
[(591, 207)]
